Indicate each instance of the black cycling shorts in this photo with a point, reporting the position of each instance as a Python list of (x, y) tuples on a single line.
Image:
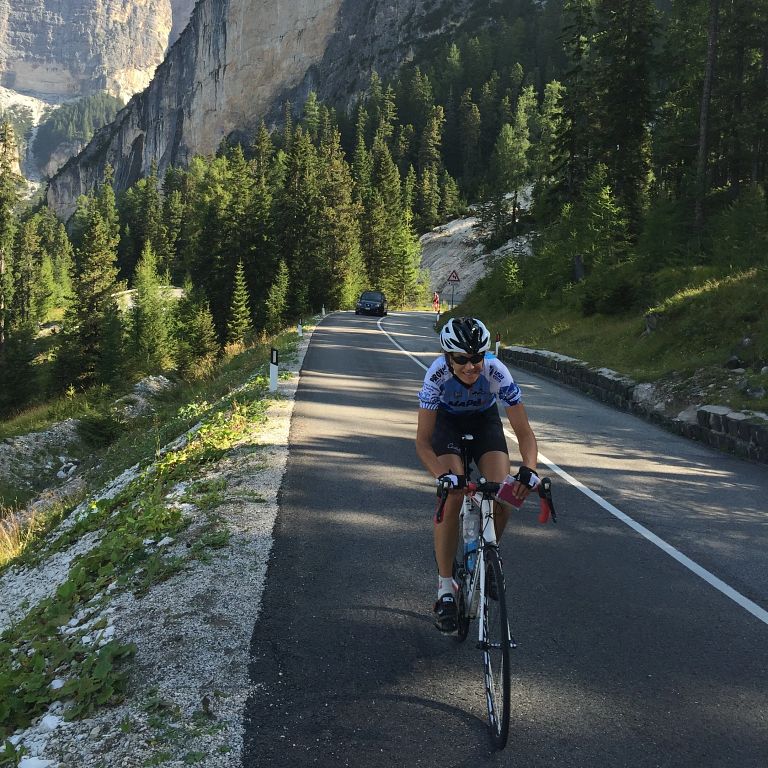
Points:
[(485, 426)]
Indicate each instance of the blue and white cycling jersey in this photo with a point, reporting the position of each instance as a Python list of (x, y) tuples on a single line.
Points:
[(441, 389)]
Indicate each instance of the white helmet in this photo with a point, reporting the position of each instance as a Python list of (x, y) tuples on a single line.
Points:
[(465, 334)]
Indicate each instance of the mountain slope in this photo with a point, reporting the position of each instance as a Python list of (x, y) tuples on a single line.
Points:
[(234, 65)]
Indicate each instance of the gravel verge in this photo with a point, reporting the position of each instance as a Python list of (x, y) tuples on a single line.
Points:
[(188, 681)]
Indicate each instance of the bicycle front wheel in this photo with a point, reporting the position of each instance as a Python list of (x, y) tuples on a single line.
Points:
[(496, 642)]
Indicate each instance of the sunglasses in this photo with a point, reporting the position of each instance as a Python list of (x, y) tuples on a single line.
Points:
[(464, 359)]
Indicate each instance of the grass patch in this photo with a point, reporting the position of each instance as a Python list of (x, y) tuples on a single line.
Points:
[(34, 651), (703, 320)]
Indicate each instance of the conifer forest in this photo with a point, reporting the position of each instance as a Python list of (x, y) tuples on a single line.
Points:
[(638, 131)]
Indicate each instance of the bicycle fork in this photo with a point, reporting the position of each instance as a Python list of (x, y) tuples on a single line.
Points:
[(478, 586)]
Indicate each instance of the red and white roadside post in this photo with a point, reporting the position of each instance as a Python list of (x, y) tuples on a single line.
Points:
[(498, 342)]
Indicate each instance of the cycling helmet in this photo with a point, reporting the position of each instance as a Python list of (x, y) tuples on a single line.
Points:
[(465, 334)]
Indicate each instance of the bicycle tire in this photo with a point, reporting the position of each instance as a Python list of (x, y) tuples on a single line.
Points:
[(462, 617), (495, 643)]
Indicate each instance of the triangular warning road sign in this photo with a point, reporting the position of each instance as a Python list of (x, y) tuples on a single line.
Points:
[(454, 277)]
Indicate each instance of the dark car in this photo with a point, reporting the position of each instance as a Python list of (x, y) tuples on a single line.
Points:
[(371, 303)]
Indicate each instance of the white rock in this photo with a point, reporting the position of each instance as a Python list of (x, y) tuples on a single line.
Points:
[(49, 724), (644, 393), (57, 684), (164, 542), (35, 762), (689, 414)]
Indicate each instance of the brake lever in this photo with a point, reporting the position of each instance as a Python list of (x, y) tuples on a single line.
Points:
[(545, 501)]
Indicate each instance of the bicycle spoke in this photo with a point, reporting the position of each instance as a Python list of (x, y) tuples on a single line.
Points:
[(496, 643)]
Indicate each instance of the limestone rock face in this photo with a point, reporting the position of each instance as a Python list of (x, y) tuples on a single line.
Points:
[(71, 48), (235, 63)]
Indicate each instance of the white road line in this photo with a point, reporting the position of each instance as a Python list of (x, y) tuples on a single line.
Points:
[(691, 565)]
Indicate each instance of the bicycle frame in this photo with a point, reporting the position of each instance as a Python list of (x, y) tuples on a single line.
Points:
[(476, 584)]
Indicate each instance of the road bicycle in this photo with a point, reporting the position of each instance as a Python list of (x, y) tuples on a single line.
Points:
[(482, 594)]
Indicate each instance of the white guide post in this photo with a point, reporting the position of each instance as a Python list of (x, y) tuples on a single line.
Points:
[(273, 371)]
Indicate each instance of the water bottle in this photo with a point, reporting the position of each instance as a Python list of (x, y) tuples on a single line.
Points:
[(471, 531)]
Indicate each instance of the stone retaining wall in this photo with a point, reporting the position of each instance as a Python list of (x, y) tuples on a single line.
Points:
[(744, 434)]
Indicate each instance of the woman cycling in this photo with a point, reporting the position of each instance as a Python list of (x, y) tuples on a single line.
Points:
[(459, 396)]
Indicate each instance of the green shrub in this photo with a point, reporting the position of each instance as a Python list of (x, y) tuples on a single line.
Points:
[(740, 232), (665, 239), (98, 430), (614, 290)]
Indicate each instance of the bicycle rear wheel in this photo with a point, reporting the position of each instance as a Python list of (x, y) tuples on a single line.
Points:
[(496, 642)]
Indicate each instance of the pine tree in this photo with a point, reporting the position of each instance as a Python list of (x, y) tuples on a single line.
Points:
[(144, 223), (312, 116), (239, 233), (415, 98), (510, 160), (382, 218), (546, 159), (578, 129), (197, 346), (381, 104), (261, 262), (56, 256), (18, 379), (342, 277), (428, 209), (403, 280), (94, 285), (239, 326), (449, 197), (10, 185), (277, 300), (112, 366), (298, 209), (63, 265), (488, 105), (44, 292), (26, 267), (469, 131), (361, 161), (431, 139), (151, 344), (621, 60), (600, 229), (107, 208), (287, 135)]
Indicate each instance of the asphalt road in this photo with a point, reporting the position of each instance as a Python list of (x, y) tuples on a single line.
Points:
[(626, 657)]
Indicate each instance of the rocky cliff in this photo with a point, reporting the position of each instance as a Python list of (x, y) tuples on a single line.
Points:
[(233, 65), (71, 48)]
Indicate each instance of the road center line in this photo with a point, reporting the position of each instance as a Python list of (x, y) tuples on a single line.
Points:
[(691, 565)]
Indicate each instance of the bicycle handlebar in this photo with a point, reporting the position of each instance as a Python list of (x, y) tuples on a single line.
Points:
[(544, 488)]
